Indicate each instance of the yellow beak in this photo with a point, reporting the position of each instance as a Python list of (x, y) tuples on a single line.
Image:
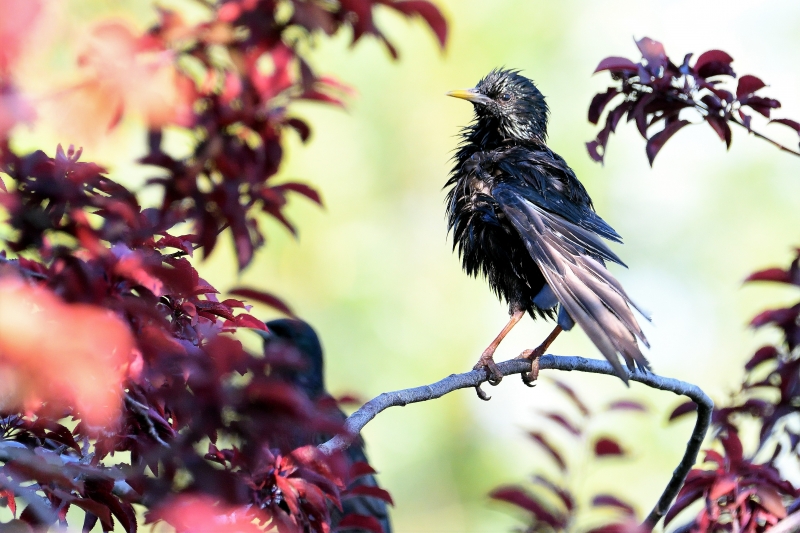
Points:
[(471, 95)]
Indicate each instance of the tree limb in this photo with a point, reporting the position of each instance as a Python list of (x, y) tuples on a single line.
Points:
[(356, 421)]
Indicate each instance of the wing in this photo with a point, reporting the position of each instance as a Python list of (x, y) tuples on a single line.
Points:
[(571, 260), (554, 186)]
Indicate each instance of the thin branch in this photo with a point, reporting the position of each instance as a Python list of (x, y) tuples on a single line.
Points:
[(762, 136), (356, 422), (787, 525)]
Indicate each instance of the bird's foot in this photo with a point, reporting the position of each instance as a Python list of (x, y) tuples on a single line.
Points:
[(529, 378), (492, 371)]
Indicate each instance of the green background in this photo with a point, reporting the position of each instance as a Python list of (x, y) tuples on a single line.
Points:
[(374, 273)]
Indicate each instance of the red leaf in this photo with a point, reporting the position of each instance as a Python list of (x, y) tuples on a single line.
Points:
[(720, 125), (656, 142), (653, 51), (300, 188), (599, 103), (788, 122), (627, 405), (10, 500), (300, 127), (249, 321), (372, 492), (520, 498), (563, 422), (429, 12), (763, 354), (358, 521), (606, 446), (617, 64), (602, 500), (683, 409), (564, 496), (359, 469), (713, 63), (770, 274), (566, 389), (748, 85), (538, 437), (263, 297)]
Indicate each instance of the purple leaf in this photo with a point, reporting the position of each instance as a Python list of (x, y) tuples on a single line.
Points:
[(606, 446), (748, 85), (653, 52), (713, 63), (563, 494), (788, 122), (599, 102), (607, 500), (617, 64), (566, 389), (539, 438), (683, 409), (300, 188), (520, 498), (429, 12), (763, 354), (656, 142), (264, 298), (720, 125), (563, 422), (627, 405)]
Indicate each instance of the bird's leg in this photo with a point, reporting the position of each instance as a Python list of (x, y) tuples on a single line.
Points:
[(534, 355), (487, 358)]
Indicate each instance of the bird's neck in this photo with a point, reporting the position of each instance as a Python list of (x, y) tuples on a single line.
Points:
[(489, 134)]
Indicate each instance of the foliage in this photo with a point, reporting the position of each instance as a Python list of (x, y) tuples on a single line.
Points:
[(655, 91), (129, 387)]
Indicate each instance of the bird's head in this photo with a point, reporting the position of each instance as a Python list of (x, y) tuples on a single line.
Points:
[(512, 101), (299, 335)]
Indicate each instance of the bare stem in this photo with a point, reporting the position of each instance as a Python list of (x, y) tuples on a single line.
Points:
[(356, 422), (762, 136)]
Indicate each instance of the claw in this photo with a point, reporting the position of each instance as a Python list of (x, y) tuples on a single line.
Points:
[(493, 374), (529, 379), (481, 394)]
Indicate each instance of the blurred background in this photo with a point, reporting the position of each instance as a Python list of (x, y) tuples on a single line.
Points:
[(374, 273)]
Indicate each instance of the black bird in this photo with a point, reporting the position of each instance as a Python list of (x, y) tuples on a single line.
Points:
[(521, 218), (311, 380)]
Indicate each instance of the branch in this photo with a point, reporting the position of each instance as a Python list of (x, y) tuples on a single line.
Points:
[(356, 422), (762, 136)]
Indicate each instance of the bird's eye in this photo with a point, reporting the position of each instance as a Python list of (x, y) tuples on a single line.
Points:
[(505, 97)]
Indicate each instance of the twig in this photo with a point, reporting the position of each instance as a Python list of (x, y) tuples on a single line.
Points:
[(762, 136), (356, 422), (788, 525), (144, 411)]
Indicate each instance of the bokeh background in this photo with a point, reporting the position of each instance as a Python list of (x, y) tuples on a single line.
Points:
[(374, 273)]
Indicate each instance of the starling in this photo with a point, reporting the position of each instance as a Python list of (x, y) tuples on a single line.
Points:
[(520, 218), (311, 380)]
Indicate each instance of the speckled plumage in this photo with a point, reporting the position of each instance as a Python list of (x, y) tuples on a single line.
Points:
[(520, 217)]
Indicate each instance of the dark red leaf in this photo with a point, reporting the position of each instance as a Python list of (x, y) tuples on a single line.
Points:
[(763, 354), (263, 297), (538, 437), (300, 127), (429, 12), (522, 499), (565, 497), (652, 51), (656, 142), (300, 188), (683, 409), (686, 497), (563, 422), (570, 392), (627, 405), (360, 469), (713, 63), (607, 446), (720, 125), (361, 522), (599, 103), (606, 500), (620, 64), (249, 321), (748, 85), (787, 122), (371, 491)]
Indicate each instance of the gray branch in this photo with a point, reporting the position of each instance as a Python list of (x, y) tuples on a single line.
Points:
[(356, 422)]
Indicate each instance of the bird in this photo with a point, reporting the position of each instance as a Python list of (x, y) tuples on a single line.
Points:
[(310, 378), (520, 218)]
